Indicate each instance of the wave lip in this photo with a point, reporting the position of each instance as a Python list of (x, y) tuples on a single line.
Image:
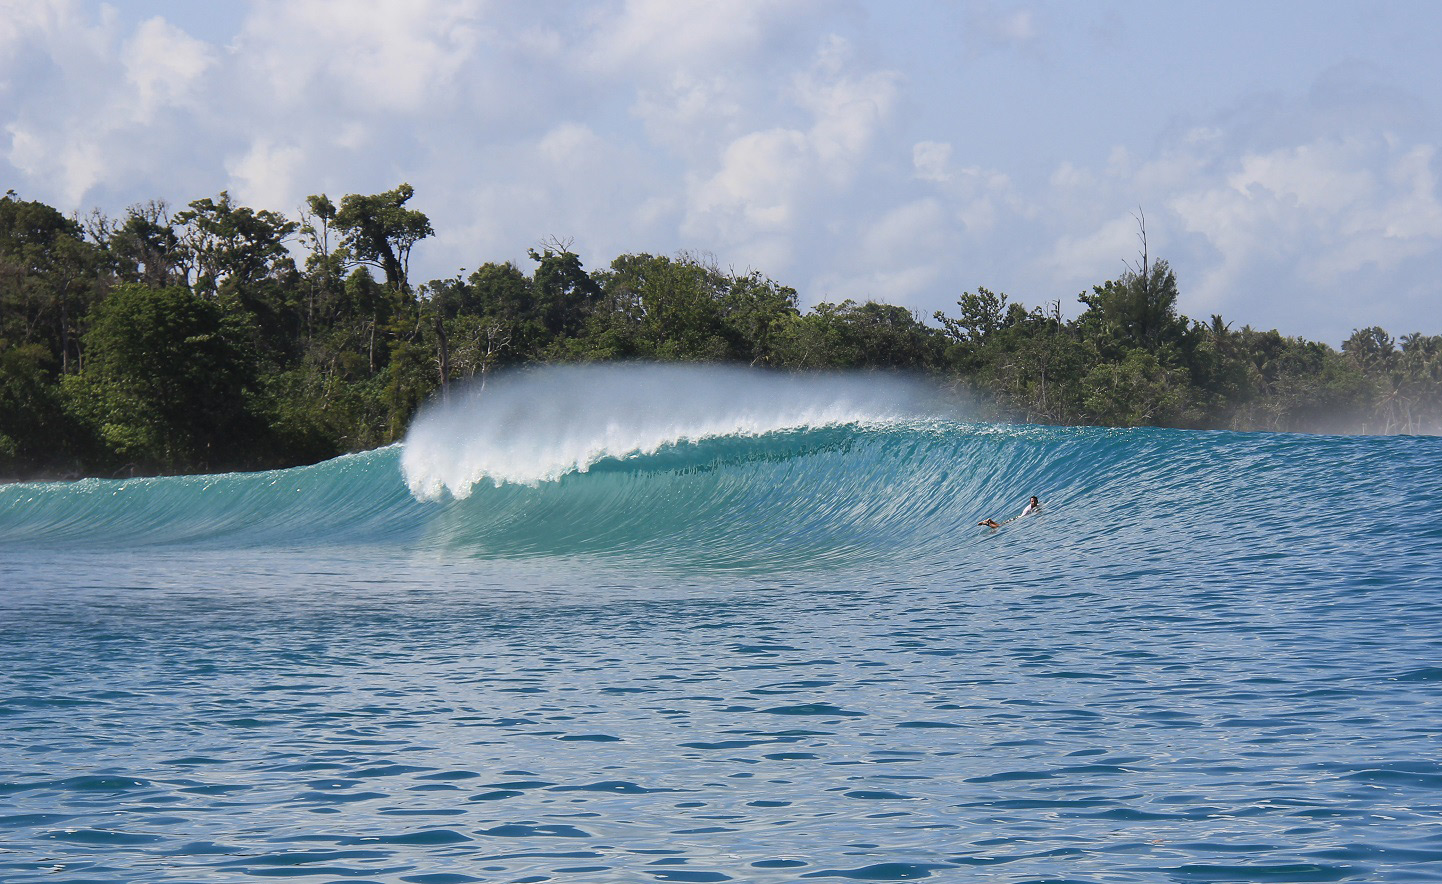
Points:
[(535, 426)]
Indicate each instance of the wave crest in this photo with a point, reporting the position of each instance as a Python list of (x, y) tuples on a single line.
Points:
[(534, 426)]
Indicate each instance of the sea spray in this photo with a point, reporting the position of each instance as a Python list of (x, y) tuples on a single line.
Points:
[(528, 427)]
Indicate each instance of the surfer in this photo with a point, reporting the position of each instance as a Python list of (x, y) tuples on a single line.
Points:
[(1032, 506)]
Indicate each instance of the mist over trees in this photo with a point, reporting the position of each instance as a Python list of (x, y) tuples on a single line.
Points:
[(192, 340)]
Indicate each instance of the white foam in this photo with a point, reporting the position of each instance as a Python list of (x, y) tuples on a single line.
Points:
[(528, 427)]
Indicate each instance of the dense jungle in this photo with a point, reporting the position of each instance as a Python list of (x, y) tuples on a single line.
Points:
[(220, 337)]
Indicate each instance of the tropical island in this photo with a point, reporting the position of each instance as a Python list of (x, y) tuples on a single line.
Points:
[(193, 340)]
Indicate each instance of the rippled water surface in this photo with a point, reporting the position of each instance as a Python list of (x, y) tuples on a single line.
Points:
[(1135, 686)]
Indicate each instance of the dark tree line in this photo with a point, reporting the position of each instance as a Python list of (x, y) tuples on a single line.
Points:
[(191, 340)]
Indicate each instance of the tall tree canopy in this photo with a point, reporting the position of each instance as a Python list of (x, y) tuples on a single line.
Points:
[(379, 230), (168, 379)]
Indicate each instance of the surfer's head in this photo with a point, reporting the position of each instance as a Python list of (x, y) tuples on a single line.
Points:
[(1034, 501)]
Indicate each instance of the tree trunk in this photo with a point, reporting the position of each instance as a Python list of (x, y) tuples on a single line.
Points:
[(443, 354)]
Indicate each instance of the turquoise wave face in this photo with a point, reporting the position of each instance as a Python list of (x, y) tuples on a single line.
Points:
[(356, 498), (845, 495)]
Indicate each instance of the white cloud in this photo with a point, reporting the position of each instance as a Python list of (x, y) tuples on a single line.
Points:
[(762, 176), (848, 105), (398, 56), (62, 30), (265, 175), (978, 197), (901, 255), (74, 100), (1018, 26), (1098, 254), (766, 180), (1415, 213), (918, 226), (569, 144), (1320, 212), (931, 160), (1320, 177), (687, 113), (687, 35), (705, 73), (73, 167), (163, 65)]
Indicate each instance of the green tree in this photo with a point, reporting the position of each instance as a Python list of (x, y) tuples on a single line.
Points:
[(1299, 385), (1373, 350), (1136, 311), (145, 247), (1419, 389), (1137, 391), (234, 245), (971, 337), (852, 335), (168, 381), (1405, 382), (983, 313), (325, 265), (755, 309), (489, 319), (1032, 364), (410, 379), (565, 294), (35, 431), (665, 309), (379, 230), (240, 258), (49, 277)]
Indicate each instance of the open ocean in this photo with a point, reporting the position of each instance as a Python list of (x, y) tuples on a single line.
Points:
[(632, 624)]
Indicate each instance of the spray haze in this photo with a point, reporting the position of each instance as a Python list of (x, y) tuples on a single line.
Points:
[(528, 427)]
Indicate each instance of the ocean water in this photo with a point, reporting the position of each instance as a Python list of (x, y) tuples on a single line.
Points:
[(691, 625)]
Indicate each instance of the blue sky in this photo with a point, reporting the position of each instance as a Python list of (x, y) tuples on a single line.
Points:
[(1284, 153)]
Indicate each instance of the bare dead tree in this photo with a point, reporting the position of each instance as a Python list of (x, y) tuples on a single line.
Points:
[(553, 243), (1144, 269), (99, 227), (443, 355), (497, 339)]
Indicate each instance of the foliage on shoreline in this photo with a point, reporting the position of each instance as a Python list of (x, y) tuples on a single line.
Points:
[(193, 341)]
